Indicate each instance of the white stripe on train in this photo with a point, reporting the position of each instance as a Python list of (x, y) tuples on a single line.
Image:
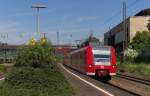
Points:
[(112, 74), (90, 73)]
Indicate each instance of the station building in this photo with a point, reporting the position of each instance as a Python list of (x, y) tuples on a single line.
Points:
[(7, 52), (137, 23), (62, 50)]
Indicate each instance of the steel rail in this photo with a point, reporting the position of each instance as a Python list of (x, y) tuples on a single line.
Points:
[(135, 79), (107, 83)]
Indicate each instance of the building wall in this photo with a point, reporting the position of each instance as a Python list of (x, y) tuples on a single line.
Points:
[(116, 32), (138, 23), (115, 36)]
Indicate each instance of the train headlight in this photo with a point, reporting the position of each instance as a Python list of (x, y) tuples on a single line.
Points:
[(113, 66), (90, 65)]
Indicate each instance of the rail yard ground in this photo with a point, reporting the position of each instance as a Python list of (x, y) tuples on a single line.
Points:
[(79, 88), (117, 86), (138, 88), (121, 86)]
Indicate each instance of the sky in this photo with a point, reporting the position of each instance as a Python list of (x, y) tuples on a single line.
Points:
[(73, 19)]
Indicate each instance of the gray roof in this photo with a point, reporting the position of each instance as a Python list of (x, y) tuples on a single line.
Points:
[(144, 12)]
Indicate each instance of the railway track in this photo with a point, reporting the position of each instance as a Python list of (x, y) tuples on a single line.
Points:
[(106, 86), (125, 90), (135, 79), (120, 88)]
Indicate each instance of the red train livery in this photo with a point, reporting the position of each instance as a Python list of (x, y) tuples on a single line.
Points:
[(99, 61)]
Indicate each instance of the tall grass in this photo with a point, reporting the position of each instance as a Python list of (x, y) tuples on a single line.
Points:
[(35, 82), (141, 69)]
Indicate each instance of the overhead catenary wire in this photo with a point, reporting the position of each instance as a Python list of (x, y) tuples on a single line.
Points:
[(120, 12)]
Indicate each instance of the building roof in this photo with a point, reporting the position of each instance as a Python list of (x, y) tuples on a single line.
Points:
[(9, 47), (144, 12)]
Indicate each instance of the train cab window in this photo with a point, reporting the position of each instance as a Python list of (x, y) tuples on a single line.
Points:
[(101, 56), (101, 59)]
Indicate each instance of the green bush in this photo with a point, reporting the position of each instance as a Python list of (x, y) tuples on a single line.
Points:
[(35, 56), (35, 73), (35, 78), (141, 43), (3, 68), (29, 77), (141, 69), (7, 90), (143, 56), (29, 81)]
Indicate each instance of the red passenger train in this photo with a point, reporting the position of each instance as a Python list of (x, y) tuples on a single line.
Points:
[(99, 61)]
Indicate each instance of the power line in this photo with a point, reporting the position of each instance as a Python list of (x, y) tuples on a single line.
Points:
[(120, 12), (133, 3)]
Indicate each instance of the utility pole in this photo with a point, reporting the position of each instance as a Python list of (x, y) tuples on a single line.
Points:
[(38, 7), (91, 33), (44, 34), (70, 39), (124, 26), (124, 29), (57, 38)]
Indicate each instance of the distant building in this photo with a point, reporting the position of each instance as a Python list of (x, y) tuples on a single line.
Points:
[(7, 52), (115, 36), (61, 50)]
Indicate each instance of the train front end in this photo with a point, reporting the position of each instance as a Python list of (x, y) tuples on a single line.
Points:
[(104, 62)]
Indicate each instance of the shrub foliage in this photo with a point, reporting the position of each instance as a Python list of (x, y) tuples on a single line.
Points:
[(38, 55), (141, 44), (141, 40), (35, 73)]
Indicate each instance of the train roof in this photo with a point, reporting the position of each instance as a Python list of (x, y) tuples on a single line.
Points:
[(100, 47), (78, 50)]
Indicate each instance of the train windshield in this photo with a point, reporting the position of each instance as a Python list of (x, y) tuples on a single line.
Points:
[(102, 58)]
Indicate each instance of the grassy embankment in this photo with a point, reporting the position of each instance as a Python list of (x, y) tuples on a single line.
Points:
[(35, 74), (4, 69), (35, 82), (140, 69)]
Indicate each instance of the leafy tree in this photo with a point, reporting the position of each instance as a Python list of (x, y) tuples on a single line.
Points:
[(141, 43), (90, 39), (148, 25), (36, 54), (141, 40), (143, 56), (131, 54)]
